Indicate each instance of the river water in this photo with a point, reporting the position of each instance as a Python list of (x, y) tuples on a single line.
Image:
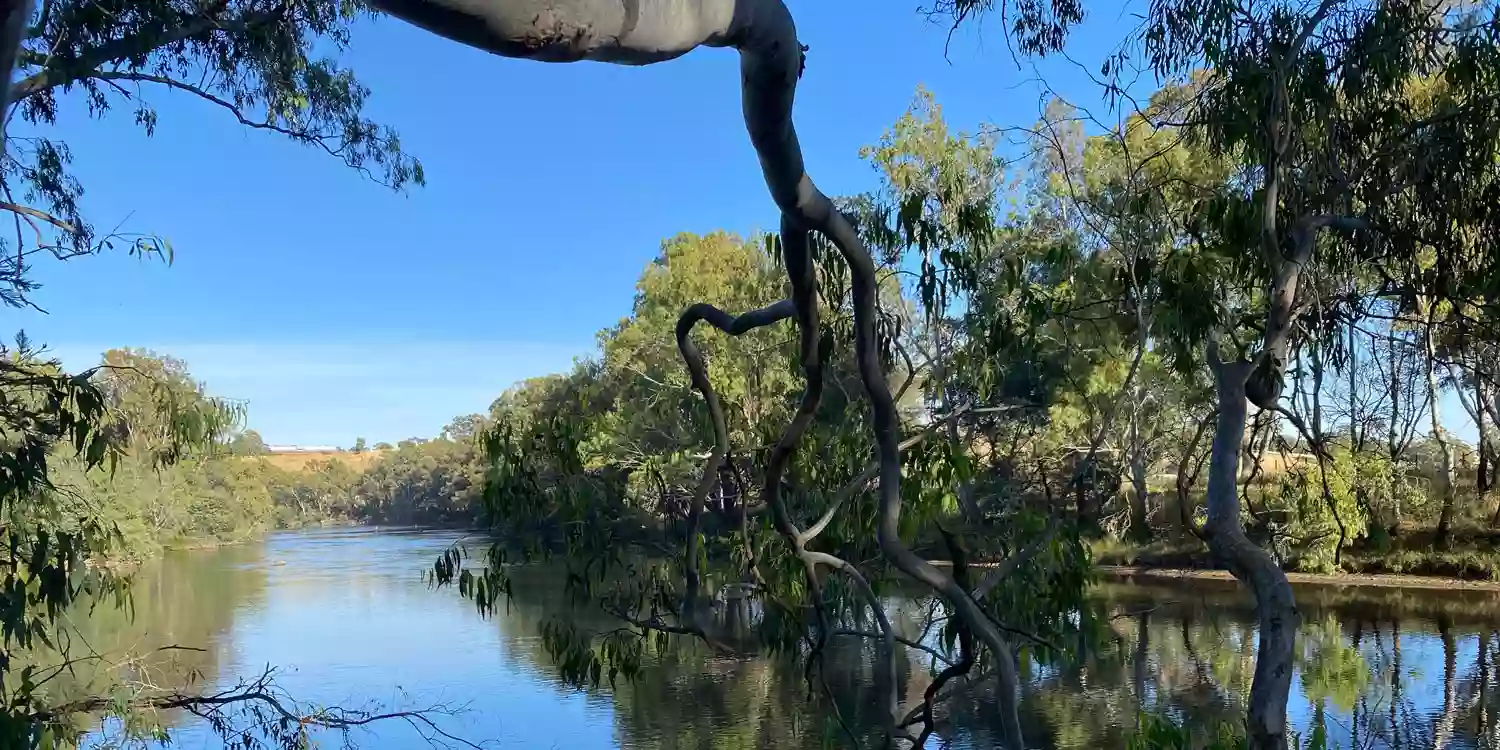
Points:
[(346, 617)]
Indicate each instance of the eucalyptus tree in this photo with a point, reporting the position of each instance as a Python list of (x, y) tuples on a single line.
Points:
[(1337, 168), (772, 61)]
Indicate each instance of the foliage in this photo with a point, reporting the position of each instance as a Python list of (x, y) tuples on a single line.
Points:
[(112, 465), (257, 61), (1052, 355), (1157, 732), (433, 483)]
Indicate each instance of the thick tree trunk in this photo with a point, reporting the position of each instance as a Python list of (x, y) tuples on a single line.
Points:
[(1446, 482), (14, 15), (1483, 479), (1253, 566), (1140, 511), (641, 32)]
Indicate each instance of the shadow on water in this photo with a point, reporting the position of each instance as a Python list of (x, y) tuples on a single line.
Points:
[(347, 611), (181, 608)]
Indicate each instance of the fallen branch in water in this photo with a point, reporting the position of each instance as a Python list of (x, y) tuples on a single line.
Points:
[(255, 713)]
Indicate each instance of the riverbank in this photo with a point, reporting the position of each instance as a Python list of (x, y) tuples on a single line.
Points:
[(1470, 559), (131, 557), (1130, 573)]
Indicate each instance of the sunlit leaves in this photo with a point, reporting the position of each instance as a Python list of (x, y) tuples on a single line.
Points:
[(1038, 26), (90, 421)]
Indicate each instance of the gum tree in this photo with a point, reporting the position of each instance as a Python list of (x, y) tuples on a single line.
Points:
[(772, 61), (1343, 163)]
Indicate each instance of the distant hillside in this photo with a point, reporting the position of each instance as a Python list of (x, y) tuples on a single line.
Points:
[(299, 461)]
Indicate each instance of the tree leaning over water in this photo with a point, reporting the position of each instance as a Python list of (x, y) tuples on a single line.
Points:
[(1363, 140), (772, 61)]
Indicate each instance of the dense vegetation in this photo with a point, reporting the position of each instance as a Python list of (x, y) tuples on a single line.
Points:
[(112, 462), (229, 490), (1283, 254), (1224, 323)]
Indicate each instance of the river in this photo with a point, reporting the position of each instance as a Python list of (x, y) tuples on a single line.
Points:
[(347, 617)]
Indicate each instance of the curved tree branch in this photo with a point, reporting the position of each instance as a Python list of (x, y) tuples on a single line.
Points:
[(640, 32), (960, 559), (698, 372)]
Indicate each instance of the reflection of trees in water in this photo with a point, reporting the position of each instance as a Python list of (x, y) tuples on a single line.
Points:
[(185, 599), (1378, 669), (1375, 668), (688, 698)]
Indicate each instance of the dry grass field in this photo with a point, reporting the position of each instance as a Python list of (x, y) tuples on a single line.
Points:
[(300, 461)]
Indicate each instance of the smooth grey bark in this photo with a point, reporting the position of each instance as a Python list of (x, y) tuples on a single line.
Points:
[(1261, 380), (1483, 477), (13, 18), (1447, 483), (1140, 510), (641, 32), (1252, 565), (694, 612)]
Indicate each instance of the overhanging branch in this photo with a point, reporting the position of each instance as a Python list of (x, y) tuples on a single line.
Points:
[(89, 61)]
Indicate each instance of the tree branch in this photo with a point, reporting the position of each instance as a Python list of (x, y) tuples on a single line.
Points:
[(234, 109), (862, 481), (87, 63), (998, 575), (35, 214), (254, 695)]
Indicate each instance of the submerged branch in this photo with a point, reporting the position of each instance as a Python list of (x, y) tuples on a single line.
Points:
[(267, 707)]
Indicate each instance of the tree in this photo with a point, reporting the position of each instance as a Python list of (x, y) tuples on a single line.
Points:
[(247, 443), (1317, 106), (250, 58), (464, 429), (359, 445), (772, 61)]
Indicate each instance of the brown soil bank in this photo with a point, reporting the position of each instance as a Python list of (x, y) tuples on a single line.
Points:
[(1304, 579)]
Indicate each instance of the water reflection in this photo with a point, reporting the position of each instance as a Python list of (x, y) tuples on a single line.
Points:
[(172, 632), (347, 611), (1376, 668)]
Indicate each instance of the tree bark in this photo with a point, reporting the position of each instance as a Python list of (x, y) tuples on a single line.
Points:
[(14, 15), (1446, 483), (641, 32), (1185, 480), (1253, 566), (1483, 479), (1140, 512)]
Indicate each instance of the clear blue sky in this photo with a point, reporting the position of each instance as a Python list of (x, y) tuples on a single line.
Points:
[(338, 309)]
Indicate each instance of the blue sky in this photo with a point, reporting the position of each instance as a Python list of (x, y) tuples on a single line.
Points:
[(336, 308)]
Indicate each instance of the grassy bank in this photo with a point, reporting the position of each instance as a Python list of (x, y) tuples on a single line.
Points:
[(1378, 580), (1472, 555)]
